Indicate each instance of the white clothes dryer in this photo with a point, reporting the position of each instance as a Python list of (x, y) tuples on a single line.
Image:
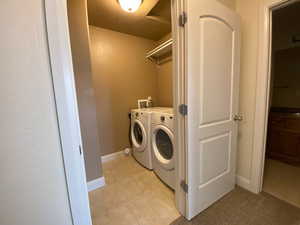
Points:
[(162, 142)]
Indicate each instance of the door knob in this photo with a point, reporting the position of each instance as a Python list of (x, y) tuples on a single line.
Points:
[(238, 118)]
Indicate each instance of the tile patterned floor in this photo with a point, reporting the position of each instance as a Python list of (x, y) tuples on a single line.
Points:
[(133, 195), (282, 181)]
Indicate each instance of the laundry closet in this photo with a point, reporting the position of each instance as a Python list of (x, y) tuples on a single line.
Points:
[(130, 92)]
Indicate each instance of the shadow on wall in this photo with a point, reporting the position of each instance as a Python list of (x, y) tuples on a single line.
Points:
[(85, 94)]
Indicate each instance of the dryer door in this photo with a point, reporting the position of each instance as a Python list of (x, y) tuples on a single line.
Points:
[(139, 136), (163, 147)]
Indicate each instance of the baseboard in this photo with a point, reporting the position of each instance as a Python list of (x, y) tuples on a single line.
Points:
[(95, 184), (243, 182), (112, 156)]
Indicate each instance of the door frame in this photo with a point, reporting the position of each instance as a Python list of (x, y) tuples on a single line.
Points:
[(263, 81), (67, 108), (63, 80), (179, 97)]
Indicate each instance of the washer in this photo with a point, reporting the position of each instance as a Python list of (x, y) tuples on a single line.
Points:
[(141, 134), (163, 146)]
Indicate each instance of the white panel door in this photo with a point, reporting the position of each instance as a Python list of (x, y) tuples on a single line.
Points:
[(212, 51)]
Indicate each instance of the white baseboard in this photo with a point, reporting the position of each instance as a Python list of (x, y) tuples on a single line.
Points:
[(95, 184), (112, 156), (243, 182)]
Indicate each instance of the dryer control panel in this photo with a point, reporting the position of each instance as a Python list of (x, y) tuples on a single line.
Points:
[(166, 118)]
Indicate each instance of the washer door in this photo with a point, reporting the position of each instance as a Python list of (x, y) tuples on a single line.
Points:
[(138, 136), (163, 147)]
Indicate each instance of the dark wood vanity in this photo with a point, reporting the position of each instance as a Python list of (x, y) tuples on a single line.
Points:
[(283, 137)]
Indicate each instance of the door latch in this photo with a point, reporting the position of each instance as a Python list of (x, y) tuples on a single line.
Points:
[(238, 118)]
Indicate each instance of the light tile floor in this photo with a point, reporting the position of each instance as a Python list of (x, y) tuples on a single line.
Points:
[(133, 195), (282, 181)]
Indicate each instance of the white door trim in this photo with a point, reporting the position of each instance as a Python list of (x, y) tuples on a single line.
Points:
[(262, 90), (179, 90), (67, 109)]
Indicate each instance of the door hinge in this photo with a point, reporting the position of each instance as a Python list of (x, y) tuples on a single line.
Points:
[(183, 109), (80, 149), (182, 19), (184, 186)]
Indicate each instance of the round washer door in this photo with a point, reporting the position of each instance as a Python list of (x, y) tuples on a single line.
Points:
[(138, 136), (163, 147)]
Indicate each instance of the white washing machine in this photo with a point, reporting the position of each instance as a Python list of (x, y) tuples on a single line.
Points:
[(162, 142), (141, 134)]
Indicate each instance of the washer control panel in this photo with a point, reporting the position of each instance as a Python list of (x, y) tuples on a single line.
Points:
[(136, 115)]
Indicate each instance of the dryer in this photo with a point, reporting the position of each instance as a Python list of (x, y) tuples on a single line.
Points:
[(141, 136), (163, 155)]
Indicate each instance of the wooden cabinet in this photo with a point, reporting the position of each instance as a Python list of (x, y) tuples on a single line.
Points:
[(283, 139)]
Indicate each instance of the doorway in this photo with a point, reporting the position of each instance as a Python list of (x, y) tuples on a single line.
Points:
[(272, 133), (282, 160), (132, 83)]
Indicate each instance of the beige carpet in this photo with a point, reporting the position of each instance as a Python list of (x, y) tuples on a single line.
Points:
[(241, 207)]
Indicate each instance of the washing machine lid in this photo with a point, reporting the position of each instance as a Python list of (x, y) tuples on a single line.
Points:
[(163, 146), (139, 136)]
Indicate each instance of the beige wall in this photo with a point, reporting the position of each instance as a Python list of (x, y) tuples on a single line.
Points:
[(248, 11), (165, 79), (79, 35), (33, 186), (230, 3), (165, 84), (121, 75), (286, 56), (286, 86), (285, 26)]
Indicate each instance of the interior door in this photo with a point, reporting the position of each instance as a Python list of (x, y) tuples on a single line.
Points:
[(212, 66)]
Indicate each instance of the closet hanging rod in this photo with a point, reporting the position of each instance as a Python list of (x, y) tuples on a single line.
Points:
[(160, 50)]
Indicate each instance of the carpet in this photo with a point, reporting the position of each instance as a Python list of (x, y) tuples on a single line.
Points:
[(241, 207)]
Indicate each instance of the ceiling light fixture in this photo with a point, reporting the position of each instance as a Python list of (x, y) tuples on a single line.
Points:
[(130, 5)]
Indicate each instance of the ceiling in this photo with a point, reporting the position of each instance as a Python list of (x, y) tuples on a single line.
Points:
[(152, 20)]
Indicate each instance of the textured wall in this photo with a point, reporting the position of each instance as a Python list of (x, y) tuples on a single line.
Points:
[(285, 26), (286, 56), (248, 11), (286, 86), (165, 78), (165, 84), (121, 75), (230, 3), (79, 35), (33, 185)]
